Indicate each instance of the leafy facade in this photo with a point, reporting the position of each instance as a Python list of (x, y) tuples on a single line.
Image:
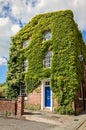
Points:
[(66, 43)]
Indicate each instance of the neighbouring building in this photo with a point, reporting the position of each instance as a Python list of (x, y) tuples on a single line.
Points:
[(47, 58)]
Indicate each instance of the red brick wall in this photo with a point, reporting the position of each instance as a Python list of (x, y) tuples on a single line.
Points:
[(15, 107), (80, 100), (20, 106), (34, 98), (8, 105), (78, 103)]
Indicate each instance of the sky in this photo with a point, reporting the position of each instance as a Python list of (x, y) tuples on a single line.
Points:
[(15, 14)]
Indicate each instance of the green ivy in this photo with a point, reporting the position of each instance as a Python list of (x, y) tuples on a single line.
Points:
[(66, 70)]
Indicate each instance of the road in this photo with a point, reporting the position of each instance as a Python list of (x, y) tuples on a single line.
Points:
[(21, 124)]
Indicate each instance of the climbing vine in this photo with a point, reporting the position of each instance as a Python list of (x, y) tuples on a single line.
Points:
[(66, 70)]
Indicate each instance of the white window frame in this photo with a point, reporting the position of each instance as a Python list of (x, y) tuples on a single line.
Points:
[(26, 43), (47, 60)]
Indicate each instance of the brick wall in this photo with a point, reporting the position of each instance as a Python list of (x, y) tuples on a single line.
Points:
[(34, 98), (14, 107), (80, 100), (7, 105), (78, 103), (20, 106)]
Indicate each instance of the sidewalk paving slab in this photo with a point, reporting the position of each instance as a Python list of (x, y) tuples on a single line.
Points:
[(76, 123), (60, 122)]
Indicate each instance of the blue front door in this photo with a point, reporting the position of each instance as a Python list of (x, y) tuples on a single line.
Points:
[(47, 97)]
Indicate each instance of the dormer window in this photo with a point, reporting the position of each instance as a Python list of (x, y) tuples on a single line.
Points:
[(47, 59), (26, 43), (25, 65), (47, 36)]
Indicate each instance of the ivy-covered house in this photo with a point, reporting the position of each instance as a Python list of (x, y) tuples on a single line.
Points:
[(47, 58)]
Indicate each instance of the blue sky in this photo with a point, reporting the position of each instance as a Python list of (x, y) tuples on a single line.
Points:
[(3, 70), (84, 35), (14, 15)]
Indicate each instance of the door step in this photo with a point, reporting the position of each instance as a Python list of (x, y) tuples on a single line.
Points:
[(46, 109)]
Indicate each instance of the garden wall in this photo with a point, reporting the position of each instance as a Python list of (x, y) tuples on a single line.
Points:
[(12, 107)]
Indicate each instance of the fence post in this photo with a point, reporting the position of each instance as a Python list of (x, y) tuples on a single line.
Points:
[(20, 106)]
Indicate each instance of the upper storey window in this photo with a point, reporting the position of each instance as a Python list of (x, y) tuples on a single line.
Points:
[(47, 59), (25, 65), (26, 43), (47, 36)]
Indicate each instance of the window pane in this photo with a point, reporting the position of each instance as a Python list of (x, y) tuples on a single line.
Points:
[(47, 59), (26, 43), (47, 83), (25, 65), (47, 36)]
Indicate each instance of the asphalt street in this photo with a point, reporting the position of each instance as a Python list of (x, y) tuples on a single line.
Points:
[(21, 124)]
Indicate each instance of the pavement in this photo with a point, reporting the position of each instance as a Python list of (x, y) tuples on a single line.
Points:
[(60, 122), (9, 123)]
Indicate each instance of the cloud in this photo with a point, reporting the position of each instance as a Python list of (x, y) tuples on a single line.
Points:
[(15, 28), (13, 15), (3, 21), (26, 9), (77, 6), (3, 61), (5, 36)]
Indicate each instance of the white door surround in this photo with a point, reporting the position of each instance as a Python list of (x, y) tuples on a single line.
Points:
[(45, 83)]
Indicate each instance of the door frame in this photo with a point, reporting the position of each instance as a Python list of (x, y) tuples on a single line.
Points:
[(43, 95)]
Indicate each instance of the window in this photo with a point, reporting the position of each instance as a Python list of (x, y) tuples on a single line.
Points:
[(23, 90), (25, 65), (47, 36), (26, 43), (47, 59), (47, 83)]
